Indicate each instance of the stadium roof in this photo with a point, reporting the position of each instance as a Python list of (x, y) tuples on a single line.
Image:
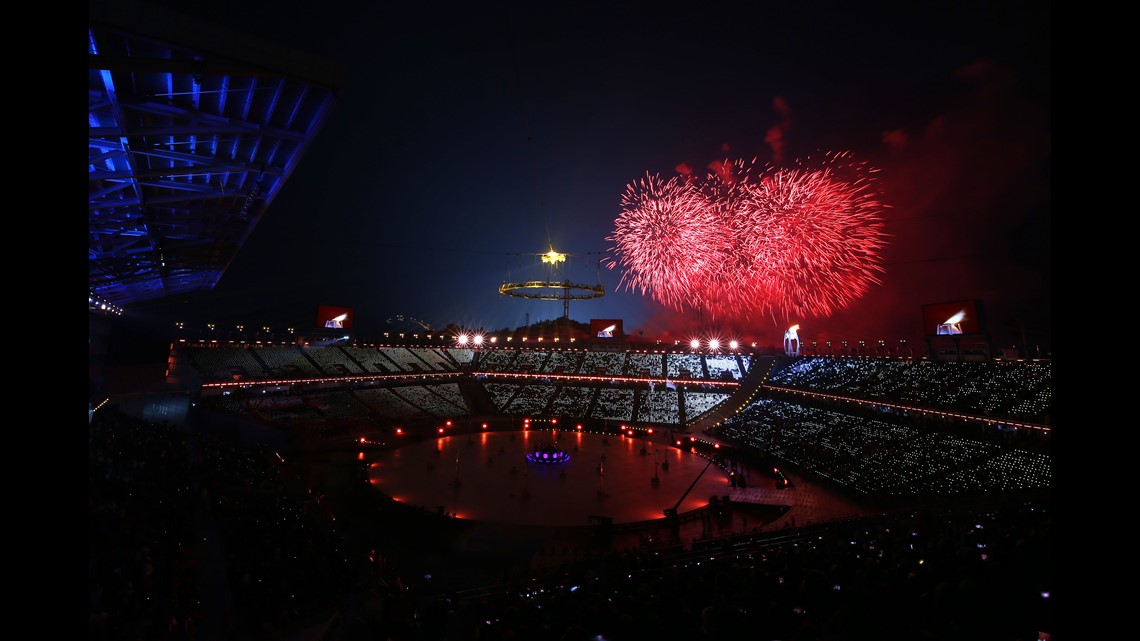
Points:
[(193, 129)]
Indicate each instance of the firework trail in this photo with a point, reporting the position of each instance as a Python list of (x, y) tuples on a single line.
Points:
[(788, 243)]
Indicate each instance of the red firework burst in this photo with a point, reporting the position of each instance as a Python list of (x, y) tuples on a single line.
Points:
[(791, 243), (665, 240), (813, 235)]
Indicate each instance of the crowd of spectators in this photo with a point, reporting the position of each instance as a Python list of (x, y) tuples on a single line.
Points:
[(603, 363), (441, 401), (573, 401), (932, 574), (193, 532), (334, 361), (614, 404), (224, 363), (563, 362), (213, 362), (530, 400), (370, 359), (145, 559), (699, 403), (683, 365), (886, 456), (640, 364), (407, 360), (196, 535), (735, 366), (320, 408), (941, 574), (288, 567), (497, 360), (660, 405), (286, 361), (1016, 391)]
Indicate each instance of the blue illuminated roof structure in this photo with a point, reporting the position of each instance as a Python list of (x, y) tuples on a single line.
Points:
[(193, 129)]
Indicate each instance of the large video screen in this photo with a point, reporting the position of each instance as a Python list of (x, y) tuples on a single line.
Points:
[(955, 318), (605, 328), (329, 317)]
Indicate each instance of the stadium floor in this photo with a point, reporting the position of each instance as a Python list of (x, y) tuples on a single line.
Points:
[(487, 477), (508, 497)]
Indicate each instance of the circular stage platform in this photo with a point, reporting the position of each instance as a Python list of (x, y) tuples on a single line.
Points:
[(486, 477)]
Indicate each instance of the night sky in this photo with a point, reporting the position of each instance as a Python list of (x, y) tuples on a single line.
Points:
[(469, 139)]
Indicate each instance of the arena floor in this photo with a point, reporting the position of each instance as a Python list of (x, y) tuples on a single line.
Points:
[(486, 477)]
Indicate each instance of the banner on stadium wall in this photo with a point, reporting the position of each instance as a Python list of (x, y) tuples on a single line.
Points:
[(955, 318), (329, 317), (605, 328)]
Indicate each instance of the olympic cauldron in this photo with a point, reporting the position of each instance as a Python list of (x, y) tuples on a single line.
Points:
[(547, 454)]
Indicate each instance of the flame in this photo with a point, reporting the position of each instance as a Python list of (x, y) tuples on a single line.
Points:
[(553, 257)]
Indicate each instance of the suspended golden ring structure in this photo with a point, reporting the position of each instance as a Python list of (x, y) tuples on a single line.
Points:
[(549, 290)]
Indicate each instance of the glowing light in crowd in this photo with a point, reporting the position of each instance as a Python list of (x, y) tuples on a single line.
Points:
[(791, 241)]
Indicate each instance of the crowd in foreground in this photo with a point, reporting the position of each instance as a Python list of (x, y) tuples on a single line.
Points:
[(194, 534)]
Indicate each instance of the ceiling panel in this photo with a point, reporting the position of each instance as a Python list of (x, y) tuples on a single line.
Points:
[(193, 131)]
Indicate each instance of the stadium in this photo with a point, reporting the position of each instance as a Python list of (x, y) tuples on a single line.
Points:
[(307, 480)]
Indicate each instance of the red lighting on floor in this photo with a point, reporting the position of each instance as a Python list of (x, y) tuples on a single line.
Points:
[(360, 456)]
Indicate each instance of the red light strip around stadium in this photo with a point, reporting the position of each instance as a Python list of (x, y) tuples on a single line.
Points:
[(406, 376), (335, 379)]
